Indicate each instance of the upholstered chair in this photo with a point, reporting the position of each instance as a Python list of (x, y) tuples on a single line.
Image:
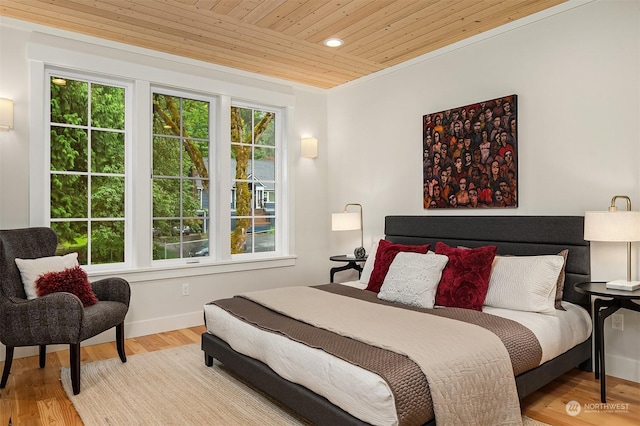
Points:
[(56, 318)]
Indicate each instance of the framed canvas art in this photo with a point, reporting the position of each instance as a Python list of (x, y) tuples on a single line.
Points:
[(470, 157)]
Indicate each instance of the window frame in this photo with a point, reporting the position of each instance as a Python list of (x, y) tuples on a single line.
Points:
[(45, 56)]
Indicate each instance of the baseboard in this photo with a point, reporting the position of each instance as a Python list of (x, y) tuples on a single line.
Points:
[(132, 329), (158, 325), (623, 368)]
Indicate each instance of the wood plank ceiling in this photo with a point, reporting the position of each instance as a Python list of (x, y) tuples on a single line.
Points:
[(282, 38)]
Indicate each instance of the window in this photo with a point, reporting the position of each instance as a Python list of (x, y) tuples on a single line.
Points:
[(87, 168), (253, 165), (180, 177), (160, 192)]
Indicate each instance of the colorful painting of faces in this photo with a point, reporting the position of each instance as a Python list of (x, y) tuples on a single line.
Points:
[(470, 156)]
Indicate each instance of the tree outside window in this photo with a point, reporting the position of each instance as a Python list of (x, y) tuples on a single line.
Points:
[(88, 185), (87, 169), (253, 163), (180, 177)]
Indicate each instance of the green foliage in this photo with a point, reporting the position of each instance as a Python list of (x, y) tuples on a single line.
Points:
[(71, 149), (107, 107), (88, 164), (87, 169), (102, 250), (266, 139)]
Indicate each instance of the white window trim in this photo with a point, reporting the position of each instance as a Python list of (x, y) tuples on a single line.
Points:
[(46, 51)]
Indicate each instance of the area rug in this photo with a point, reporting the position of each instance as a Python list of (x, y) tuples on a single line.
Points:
[(172, 387), (169, 387)]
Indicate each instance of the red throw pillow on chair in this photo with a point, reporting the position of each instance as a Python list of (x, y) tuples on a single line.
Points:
[(71, 280)]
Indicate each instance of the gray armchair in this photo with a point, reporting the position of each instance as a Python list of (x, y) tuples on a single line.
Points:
[(57, 318)]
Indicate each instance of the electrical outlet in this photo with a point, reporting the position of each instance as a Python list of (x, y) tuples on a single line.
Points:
[(185, 289), (617, 322)]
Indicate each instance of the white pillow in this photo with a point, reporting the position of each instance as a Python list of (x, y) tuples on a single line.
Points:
[(32, 269), (368, 265), (413, 279), (524, 283)]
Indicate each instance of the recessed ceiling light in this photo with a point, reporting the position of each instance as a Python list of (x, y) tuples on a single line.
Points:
[(333, 42), (59, 81)]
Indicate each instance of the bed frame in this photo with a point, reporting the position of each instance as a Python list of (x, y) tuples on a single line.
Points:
[(516, 235)]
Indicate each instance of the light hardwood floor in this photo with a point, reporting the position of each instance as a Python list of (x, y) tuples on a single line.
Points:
[(34, 396)]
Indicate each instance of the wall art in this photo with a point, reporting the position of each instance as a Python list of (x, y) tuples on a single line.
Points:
[(470, 156)]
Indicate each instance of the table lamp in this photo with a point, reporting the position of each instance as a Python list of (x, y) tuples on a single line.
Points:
[(615, 226), (349, 221)]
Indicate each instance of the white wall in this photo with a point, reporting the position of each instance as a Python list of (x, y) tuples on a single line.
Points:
[(157, 304), (577, 78)]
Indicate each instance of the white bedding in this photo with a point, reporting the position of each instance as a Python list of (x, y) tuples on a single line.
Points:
[(361, 393)]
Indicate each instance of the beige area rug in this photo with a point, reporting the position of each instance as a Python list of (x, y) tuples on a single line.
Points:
[(173, 387), (169, 387)]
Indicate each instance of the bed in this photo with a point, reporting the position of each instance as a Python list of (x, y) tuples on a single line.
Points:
[(518, 236)]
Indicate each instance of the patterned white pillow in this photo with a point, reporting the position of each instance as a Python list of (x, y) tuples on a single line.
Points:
[(413, 279), (31, 269), (524, 283)]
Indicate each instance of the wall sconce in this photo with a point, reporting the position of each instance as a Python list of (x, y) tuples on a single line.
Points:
[(347, 221), (6, 114), (615, 226), (309, 147)]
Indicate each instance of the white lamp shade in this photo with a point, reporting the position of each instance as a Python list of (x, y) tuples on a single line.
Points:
[(6, 114), (309, 147), (345, 221), (619, 226)]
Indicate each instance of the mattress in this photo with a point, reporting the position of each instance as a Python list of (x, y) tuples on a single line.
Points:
[(360, 392)]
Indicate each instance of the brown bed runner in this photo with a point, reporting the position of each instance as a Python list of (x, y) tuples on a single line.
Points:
[(405, 378)]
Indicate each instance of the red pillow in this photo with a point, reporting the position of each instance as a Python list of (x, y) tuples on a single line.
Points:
[(465, 279), (384, 256), (71, 280)]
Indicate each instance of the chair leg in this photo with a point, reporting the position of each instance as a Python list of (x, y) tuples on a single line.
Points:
[(120, 341), (74, 364), (7, 366), (43, 355)]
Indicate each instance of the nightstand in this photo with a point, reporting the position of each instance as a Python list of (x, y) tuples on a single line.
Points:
[(603, 308), (351, 263)]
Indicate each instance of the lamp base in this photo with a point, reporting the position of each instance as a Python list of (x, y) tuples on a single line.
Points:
[(623, 285)]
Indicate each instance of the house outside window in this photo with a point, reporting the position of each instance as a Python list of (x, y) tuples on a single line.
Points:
[(253, 167)]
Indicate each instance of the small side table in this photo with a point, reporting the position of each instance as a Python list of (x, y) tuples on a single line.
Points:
[(352, 263), (601, 310)]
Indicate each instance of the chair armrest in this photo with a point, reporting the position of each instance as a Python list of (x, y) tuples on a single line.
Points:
[(51, 319), (113, 289)]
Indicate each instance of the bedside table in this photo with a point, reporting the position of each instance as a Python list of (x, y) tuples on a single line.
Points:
[(601, 310), (352, 263)]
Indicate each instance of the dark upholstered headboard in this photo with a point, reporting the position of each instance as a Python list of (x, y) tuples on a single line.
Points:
[(516, 235)]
